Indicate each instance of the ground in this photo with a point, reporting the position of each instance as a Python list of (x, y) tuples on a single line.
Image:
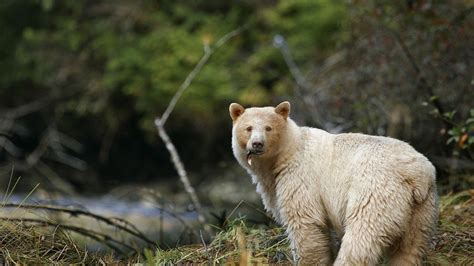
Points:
[(238, 242)]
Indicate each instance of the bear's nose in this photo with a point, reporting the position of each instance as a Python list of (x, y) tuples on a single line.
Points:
[(257, 145)]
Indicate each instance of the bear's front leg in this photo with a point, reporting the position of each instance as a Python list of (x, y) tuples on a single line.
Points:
[(311, 244)]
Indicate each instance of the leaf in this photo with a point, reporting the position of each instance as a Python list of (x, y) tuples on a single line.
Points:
[(455, 131), (47, 4), (470, 141), (462, 140), (450, 140), (450, 115), (434, 98)]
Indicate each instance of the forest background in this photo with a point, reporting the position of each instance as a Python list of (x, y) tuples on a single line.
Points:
[(81, 83)]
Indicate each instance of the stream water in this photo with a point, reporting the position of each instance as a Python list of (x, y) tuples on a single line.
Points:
[(165, 226)]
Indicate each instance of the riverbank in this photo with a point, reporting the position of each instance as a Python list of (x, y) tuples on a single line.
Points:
[(237, 242)]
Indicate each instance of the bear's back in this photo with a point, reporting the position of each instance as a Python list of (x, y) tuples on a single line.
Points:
[(385, 158), (356, 146)]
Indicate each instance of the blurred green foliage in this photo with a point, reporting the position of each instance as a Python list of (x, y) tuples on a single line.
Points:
[(462, 134), (110, 67), (122, 61), (144, 50)]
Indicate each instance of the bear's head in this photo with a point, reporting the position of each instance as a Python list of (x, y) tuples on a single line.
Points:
[(258, 131)]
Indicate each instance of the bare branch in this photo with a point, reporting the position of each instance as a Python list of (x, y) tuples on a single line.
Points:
[(6, 125), (54, 178), (33, 158), (37, 105), (27, 108), (51, 138), (160, 121), (207, 54), (280, 43), (58, 150), (181, 171), (9, 146), (70, 142)]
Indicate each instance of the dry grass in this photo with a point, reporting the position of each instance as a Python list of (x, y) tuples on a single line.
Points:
[(452, 245), (454, 241), (24, 244), (238, 244)]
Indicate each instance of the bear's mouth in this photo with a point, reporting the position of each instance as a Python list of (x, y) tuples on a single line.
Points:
[(252, 152)]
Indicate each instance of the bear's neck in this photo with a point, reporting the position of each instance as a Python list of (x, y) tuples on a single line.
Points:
[(265, 172)]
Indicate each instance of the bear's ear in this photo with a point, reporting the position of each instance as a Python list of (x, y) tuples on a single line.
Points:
[(283, 109), (236, 110)]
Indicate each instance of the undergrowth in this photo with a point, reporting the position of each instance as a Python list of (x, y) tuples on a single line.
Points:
[(453, 243), (238, 243), (24, 244)]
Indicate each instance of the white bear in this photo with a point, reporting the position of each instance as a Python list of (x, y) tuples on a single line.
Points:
[(377, 195)]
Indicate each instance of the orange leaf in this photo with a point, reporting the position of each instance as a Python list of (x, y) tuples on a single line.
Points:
[(463, 140)]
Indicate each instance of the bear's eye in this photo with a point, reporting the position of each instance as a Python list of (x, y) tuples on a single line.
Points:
[(268, 128), (249, 128)]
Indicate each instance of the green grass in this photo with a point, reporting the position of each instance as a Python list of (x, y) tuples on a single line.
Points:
[(239, 243)]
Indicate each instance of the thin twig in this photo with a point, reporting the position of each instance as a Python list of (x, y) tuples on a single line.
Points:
[(207, 54), (160, 229), (181, 171), (280, 43), (205, 247), (175, 216), (77, 212)]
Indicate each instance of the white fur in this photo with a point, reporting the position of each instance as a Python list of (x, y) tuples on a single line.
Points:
[(376, 193)]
